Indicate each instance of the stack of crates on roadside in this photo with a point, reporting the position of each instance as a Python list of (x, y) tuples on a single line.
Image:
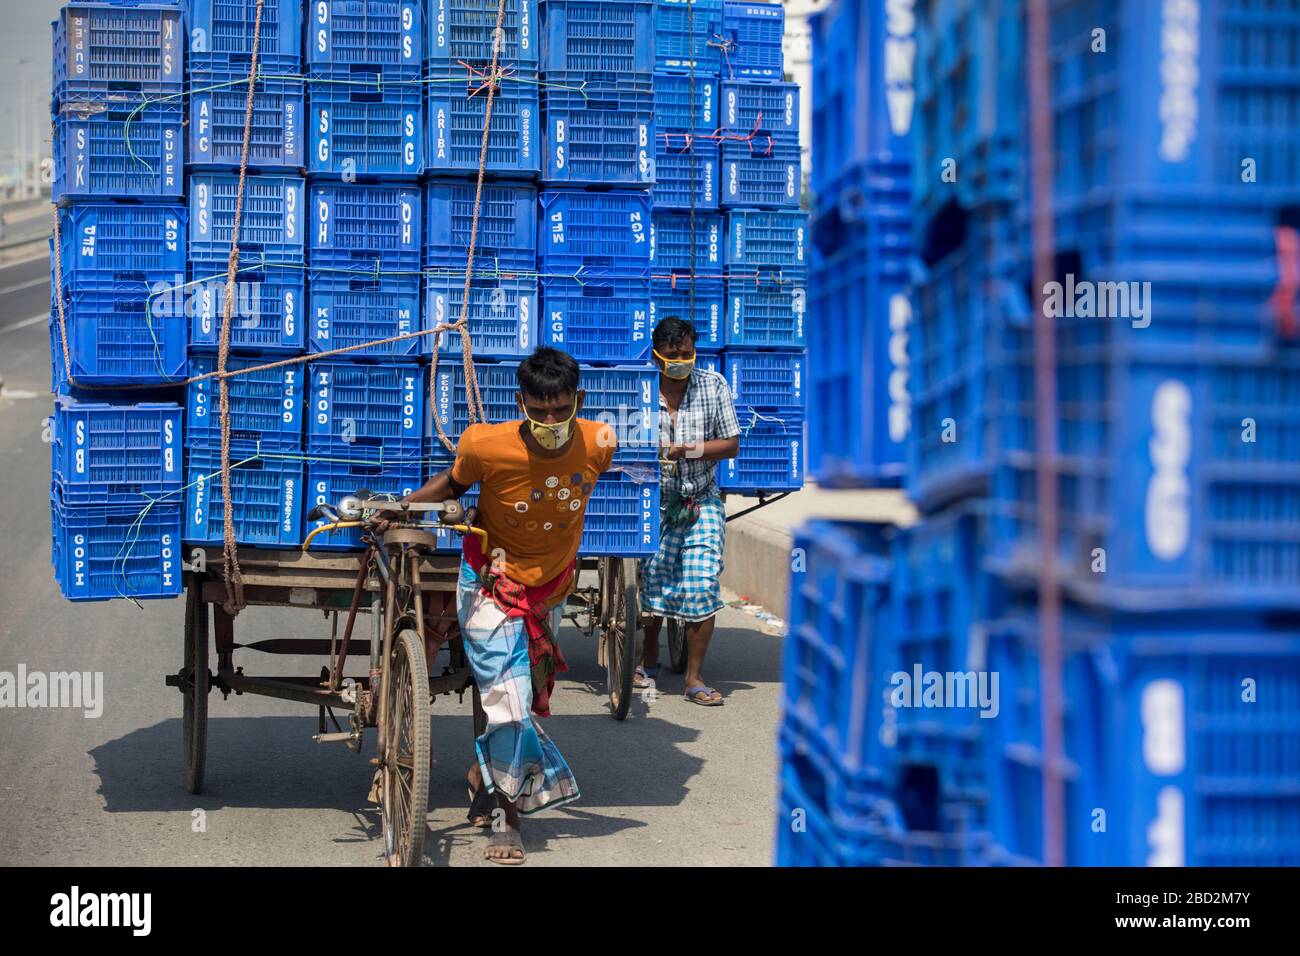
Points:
[(1178, 551), (364, 430), (765, 251), (593, 243), (268, 319), (115, 327), (835, 771)]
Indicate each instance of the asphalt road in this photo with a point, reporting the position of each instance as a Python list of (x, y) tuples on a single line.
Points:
[(673, 784)]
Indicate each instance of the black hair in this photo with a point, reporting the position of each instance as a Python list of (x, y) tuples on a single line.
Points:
[(672, 331), (548, 373)]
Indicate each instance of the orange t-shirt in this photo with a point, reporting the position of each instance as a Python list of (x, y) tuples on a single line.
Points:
[(532, 507)]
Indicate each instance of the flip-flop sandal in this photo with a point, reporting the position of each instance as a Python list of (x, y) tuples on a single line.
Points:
[(643, 677), (692, 691), (508, 837), (481, 806)]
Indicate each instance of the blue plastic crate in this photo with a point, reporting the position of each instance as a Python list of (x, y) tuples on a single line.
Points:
[(457, 106), (598, 317), (116, 147), (1219, 791), (368, 406), (594, 230), (365, 124), (622, 519), (771, 452), (671, 295), (766, 311), (761, 109), (221, 35), (101, 552), (336, 470), (366, 236), (688, 35), (100, 49), (116, 453), (863, 199), (623, 397), (599, 129), (968, 344), (673, 247), (503, 311), (269, 306), (859, 380), (119, 335), (264, 405), (768, 239), (1184, 510), (767, 379), (677, 111), (607, 36), (340, 319), (863, 108), (762, 174), (112, 243), (685, 172), (462, 31), (507, 226), (272, 222), (266, 480), (388, 34), (834, 673), (970, 101), (752, 37), (218, 101)]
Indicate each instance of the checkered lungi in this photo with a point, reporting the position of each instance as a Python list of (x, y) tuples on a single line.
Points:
[(681, 581), (514, 752)]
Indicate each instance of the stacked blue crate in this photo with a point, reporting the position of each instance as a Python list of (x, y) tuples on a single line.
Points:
[(594, 258), (860, 311), (504, 300), (766, 266), (457, 74), (686, 272), (365, 93), (116, 471), (217, 66), (266, 454)]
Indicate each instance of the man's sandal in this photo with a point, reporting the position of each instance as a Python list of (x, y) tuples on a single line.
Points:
[(709, 701), (508, 837), (644, 676)]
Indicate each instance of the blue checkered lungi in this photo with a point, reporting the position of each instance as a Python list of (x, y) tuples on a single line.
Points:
[(514, 752), (681, 581)]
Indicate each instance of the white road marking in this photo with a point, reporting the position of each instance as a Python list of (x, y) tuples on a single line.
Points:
[(43, 317), (25, 285)]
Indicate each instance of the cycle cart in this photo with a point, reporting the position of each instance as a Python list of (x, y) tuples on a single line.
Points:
[(408, 590)]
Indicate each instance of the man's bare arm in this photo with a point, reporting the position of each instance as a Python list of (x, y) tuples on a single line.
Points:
[(438, 488)]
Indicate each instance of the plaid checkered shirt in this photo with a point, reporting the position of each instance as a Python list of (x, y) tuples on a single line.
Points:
[(707, 413)]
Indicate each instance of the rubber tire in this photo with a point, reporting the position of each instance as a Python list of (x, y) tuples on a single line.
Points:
[(407, 848), (676, 645), (195, 688), (618, 575)]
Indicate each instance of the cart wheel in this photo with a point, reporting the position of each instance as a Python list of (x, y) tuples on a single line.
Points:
[(405, 753), (676, 645), (195, 682), (619, 583)]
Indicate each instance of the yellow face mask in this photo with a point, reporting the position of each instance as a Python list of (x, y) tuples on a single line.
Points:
[(677, 369), (554, 436)]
